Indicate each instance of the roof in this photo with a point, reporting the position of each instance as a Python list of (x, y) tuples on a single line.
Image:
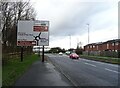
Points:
[(112, 41), (109, 41)]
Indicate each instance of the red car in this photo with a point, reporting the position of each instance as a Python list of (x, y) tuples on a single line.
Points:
[(74, 56)]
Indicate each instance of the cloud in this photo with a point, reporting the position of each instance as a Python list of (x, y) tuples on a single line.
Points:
[(69, 17), (74, 20)]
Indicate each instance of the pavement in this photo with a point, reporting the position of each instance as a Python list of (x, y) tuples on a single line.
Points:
[(43, 74)]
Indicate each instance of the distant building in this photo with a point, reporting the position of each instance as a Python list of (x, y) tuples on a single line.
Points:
[(111, 45)]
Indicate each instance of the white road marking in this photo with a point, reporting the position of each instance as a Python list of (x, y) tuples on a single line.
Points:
[(91, 64), (111, 70), (100, 62), (106, 63)]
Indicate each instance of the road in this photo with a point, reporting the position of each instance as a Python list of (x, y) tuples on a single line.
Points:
[(83, 72)]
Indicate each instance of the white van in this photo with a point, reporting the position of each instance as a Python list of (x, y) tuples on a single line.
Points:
[(36, 49)]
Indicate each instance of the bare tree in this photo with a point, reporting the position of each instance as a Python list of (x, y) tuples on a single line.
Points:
[(12, 12)]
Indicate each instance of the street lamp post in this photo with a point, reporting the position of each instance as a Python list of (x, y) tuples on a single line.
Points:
[(88, 37), (88, 33), (70, 40)]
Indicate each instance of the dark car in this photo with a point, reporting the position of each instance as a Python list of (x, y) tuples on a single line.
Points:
[(74, 56)]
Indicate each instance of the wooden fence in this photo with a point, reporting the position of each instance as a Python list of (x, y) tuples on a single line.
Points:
[(10, 52)]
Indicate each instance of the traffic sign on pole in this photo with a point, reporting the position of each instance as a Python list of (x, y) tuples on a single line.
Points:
[(31, 33)]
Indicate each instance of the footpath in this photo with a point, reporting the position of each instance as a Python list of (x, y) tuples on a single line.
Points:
[(42, 74)]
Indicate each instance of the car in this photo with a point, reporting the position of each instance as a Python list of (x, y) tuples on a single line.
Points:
[(36, 49), (60, 53), (74, 56), (67, 52)]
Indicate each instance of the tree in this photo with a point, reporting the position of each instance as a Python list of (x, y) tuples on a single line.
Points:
[(11, 13), (55, 50), (79, 49)]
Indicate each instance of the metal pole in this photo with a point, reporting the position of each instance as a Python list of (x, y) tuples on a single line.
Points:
[(43, 54), (70, 41), (37, 42), (114, 46), (88, 37), (21, 53), (38, 48), (88, 33)]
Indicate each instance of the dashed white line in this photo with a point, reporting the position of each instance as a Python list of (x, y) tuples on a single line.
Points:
[(91, 64), (111, 70)]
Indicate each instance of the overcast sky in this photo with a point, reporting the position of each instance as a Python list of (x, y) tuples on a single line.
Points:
[(70, 18)]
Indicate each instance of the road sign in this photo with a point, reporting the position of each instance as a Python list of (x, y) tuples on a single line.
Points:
[(41, 30), (25, 33), (32, 33), (41, 26)]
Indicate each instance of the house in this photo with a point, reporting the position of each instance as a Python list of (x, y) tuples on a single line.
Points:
[(110, 45)]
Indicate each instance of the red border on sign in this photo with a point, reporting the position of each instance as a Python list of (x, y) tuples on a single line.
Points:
[(26, 43), (40, 28)]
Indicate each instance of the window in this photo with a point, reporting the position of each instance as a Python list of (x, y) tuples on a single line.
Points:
[(88, 47), (116, 50), (107, 46), (112, 44), (116, 43)]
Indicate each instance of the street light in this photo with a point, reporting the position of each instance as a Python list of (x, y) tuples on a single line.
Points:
[(88, 37), (88, 33), (70, 40)]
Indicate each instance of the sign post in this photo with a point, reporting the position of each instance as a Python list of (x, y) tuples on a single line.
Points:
[(42, 27), (43, 54), (21, 54), (24, 35), (31, 33)]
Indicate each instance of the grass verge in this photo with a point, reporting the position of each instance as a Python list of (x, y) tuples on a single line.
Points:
[(14, 69), (102, 59)]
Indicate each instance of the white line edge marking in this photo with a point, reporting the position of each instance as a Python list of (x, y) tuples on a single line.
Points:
[(91, 64), (100, 62), (111, 70)]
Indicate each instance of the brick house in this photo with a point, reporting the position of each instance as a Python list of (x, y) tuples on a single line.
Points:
[(111, 45)]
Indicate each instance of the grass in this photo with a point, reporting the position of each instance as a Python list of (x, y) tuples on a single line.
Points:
[(102, 59), (14, 69)]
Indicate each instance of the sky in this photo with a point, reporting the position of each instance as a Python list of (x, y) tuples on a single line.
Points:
[(69, 19)]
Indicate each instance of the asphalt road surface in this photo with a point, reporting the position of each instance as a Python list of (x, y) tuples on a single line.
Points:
[(83, 72)]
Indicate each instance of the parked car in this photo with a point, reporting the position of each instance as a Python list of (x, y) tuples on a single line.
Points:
[(60, 53), (74, 56)]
